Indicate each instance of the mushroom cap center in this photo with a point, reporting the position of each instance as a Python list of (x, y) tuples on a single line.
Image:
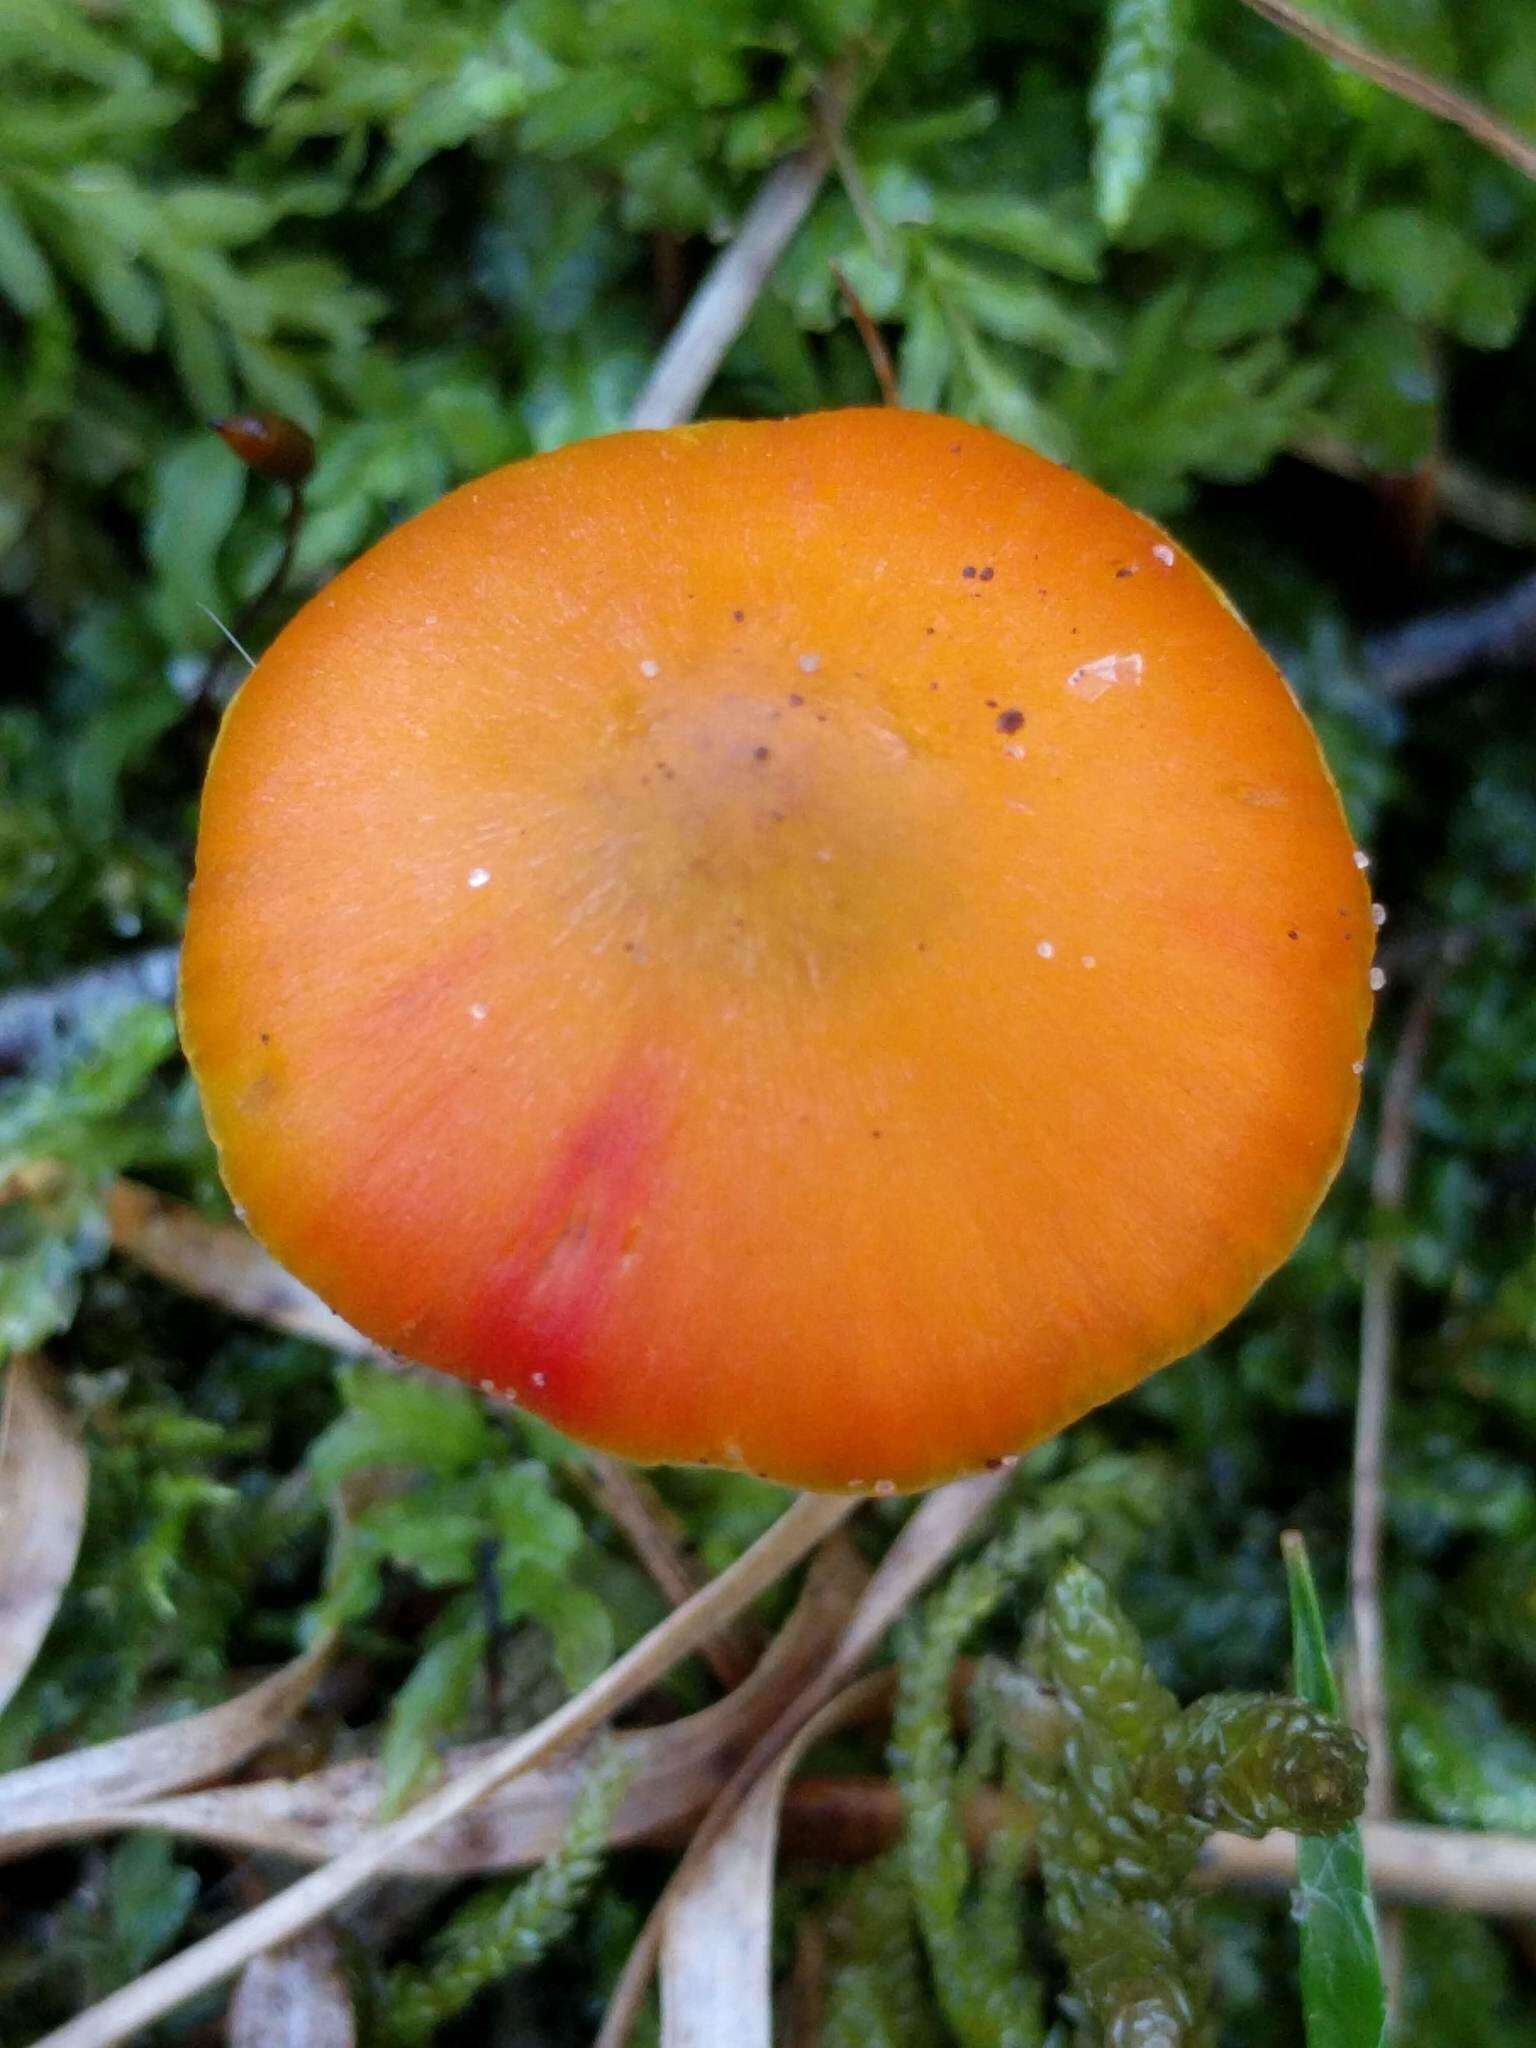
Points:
[(768, 835)]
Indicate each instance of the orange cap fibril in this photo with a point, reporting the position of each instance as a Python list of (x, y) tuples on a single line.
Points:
[(820, 946)]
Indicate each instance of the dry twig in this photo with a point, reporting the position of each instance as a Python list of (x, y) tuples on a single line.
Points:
[(1482, 504), (1378, 1355), (1378, 1352), (1417, 87), (853, 1820), (1407, 659), (873, 340), (635, 1507), (723, 303)]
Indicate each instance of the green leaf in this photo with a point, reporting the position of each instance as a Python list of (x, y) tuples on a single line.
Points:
[(1430, 269), (1343, 2000), (149, 1896), (193, 22), (1051, 236), (25, 277), (41, 1265), (195, 495), (1134, 82), (1017, 307), (402, 1419), (425, 1711), (998, 395), (55, 36), (580, 1627), (927, 353), (1249, 296), (1468, 1763), (69, 1117)]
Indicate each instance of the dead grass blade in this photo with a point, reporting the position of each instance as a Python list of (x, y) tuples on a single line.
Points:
[(222, 1263), (126, 2013), (925, 1545), (716, 1982), (79, 1794), (43, 1480), (296, 1997), (674, 1773)]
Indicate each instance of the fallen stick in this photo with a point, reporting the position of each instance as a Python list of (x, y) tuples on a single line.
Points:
[(854, 1819)]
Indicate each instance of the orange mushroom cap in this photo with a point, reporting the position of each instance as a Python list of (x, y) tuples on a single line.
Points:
[(821, 946)]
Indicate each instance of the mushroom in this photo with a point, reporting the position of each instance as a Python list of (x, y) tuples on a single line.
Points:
[(822, 947)]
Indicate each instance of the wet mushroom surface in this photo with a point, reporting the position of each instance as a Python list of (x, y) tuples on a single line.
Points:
[(819, 946)]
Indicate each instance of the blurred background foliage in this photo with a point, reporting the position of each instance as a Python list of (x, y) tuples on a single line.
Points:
[(1154, 238)]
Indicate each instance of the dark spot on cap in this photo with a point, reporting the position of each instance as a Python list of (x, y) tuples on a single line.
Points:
[(1293, 935), (738, 617), (760, 754), (969, 570), (987, 575), (1010, 721), (1126, 569), (266, 1038), (795, 697)]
